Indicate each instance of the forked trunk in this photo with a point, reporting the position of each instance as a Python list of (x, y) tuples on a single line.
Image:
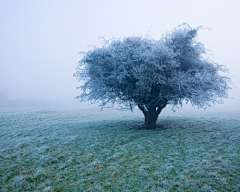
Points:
[(150, 119), (151, 114)]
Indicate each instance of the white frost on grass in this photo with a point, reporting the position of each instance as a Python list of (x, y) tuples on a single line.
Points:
[(84, 150), (39, 173)]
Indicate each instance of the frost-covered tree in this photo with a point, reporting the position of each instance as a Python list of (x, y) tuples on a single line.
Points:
[(152, 74)]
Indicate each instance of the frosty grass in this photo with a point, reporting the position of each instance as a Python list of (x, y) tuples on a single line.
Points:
[(88, 150)]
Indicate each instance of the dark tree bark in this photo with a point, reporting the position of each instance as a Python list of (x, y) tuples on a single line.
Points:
[(151, 114), (150, 120)]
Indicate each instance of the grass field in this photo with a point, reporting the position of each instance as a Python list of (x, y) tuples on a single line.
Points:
[(88, 150)]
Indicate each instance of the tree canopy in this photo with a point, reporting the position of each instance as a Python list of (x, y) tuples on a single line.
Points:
[(151, 74)]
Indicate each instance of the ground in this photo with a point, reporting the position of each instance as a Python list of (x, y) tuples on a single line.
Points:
[(92, 150)]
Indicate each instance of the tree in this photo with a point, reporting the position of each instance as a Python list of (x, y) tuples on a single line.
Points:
[(152, 74)]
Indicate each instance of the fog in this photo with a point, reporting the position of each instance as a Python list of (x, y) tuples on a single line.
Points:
[(41, 41)]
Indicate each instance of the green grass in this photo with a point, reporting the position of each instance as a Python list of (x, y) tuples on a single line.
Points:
[(87, 150)]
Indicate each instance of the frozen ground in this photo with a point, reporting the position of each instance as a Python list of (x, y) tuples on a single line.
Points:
[(88, 150)]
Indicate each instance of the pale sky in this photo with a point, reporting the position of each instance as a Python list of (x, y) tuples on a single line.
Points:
[(41, 39)]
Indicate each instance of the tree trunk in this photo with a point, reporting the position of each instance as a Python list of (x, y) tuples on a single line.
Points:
[(150, 119), (151, 114)]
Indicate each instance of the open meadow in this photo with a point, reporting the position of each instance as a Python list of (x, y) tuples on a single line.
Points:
[(88, 150)]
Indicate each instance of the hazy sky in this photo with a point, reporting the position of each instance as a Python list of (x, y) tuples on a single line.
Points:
[(41, 39)]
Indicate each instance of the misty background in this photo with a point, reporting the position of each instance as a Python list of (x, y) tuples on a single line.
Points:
[(41, 41)]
